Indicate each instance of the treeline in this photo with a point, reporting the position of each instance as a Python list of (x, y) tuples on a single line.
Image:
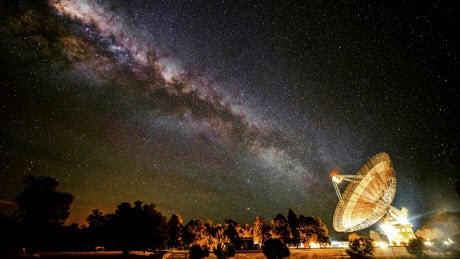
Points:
[(38, 225)]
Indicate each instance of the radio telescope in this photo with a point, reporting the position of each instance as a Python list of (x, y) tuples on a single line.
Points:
[(368, 196)]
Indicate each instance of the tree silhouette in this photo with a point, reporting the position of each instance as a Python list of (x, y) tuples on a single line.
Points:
[(42, 210), (294, 228), (71, 238), (280, 228), (322, 233), (40, 203), (312, 229), (139, 226), (101, 229), (231, 232), (8, 236), (275, 249), (307, 230), (175, 230)]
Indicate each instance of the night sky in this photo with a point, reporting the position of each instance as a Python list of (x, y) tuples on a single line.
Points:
[(228, 109)]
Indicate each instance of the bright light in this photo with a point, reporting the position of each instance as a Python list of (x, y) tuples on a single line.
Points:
[(397, 234), (403, 221), (382, 244), (389, 230), (428, 243), (315, 245), (448, 242), (339, 244), (336, 178)]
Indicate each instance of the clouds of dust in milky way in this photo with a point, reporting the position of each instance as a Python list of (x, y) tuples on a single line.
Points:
[(102, 46)]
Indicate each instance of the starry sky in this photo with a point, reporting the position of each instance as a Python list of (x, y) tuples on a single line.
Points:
[(228, 109)]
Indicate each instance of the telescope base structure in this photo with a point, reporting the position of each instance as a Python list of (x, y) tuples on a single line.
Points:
[(399, 234)]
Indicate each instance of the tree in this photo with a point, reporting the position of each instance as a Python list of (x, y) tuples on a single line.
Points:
[(294, 228), (139, 226), (261, 230), (360, 247), (307, 230), (40, 203), (353, 236), (101, 230), (198, 252), (196, 233), (208, 236), (8, 237), (322, 233), (42, 210), (245, 230), (231, 232), (280, 228), (312, 229), (175, 231), (217, 235), (416, 247), (275, 249), (323, 238), (71, 238)]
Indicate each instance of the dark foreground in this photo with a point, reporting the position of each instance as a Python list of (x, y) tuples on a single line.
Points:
[(389, 252)]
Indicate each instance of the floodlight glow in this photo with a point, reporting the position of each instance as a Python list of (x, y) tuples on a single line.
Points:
[(382, 244)]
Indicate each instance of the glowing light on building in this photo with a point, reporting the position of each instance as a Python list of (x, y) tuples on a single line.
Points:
[(382, 244), (399, 234), (397, 228)]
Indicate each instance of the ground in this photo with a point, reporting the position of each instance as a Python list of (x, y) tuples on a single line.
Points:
[(389, 252)]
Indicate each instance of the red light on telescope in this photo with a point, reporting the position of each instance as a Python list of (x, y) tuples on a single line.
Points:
[(334, 173)]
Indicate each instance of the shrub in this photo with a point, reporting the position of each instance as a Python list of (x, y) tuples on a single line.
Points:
[(360, 247), (274, 248), (416, 247), (198, 252)]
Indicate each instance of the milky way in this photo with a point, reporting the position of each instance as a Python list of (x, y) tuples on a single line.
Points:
[(230, 110)]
